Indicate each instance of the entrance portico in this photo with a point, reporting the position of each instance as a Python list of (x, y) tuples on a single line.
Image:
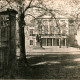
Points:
[(53, 42)]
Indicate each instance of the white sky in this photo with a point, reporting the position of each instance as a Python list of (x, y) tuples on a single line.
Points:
[(71, 7), (67, 6)]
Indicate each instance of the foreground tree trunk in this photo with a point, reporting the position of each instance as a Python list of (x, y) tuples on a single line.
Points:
[(22, 40)]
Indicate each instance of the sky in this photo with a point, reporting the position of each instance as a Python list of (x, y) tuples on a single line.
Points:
[(69, 7), (66, 6)]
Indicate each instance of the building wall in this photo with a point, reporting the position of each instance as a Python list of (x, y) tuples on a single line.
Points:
[(48, 30), (73, 28), (3, 39), (7, 37)]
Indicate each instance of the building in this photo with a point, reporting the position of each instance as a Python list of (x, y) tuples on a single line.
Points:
[(53, 31), (73, 25), (73, 37), (7, 38)]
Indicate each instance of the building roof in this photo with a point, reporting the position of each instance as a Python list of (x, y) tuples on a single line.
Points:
[(51, 16), (7, 11)]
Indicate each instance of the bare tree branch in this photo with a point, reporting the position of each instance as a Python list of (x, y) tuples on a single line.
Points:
[(49, 11), (3, 6), (42, 14), (9, 3), (28, 5), (77, 15), (45, 9), (30, 15)]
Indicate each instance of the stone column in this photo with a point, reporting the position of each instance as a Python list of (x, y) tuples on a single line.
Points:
[(65, 41), (48, 26), (46, 41), (59, 42), (52, 41)]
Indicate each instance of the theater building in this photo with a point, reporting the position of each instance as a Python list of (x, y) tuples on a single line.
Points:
[(53, 32)]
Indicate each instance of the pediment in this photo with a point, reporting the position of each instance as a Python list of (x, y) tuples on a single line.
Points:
[(45, 15)]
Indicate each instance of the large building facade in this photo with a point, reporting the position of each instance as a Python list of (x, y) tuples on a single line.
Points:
[(53, 32)]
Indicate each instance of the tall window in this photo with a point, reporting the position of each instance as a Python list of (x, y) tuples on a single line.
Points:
[(45, 29), (49, 42), (4, 32), (4, 21), (45, 24), (3, 26), (31, 32), (31, 42), (43, 41), (40, 26), (51, 29)]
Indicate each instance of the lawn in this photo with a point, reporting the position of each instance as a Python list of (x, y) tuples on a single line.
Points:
[(57, 66)]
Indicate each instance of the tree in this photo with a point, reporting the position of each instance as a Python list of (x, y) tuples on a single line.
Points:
[(22, 9)]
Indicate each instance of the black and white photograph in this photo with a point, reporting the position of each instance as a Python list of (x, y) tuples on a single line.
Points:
[(40, 39)]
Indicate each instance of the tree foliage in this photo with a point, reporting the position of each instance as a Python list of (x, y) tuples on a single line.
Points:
[(24, 8)]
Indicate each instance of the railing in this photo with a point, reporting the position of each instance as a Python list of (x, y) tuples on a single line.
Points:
[(50, 35)]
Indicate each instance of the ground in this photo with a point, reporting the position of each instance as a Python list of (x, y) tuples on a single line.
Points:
[(53, 50), (51, 66), (43, 64)]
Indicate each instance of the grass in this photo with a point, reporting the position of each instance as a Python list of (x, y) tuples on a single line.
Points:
[(66, 69)]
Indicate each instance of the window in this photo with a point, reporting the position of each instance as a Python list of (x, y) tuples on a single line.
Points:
[(31, 42), (51, 29), (46, 29), (31, 32), (49, 42), (4, 32), (44, 42), (4, 21), (71, 21)]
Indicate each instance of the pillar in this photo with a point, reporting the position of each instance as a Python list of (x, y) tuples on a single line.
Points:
[(46, 41), (52, 41), (65, 41), (48, 26), (59, 42)]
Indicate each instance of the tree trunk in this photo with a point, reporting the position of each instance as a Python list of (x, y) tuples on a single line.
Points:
[(22, 42)]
